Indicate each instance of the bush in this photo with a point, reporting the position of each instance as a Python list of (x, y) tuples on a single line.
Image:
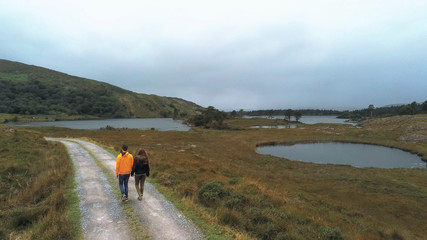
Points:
[(212, 193), (210, 118), (331, 234), (236, 201)]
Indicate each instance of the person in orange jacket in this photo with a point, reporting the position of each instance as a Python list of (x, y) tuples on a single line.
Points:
[(124, 165)]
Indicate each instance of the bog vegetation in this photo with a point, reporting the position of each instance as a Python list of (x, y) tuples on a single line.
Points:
[(217, 178), (37, 198)]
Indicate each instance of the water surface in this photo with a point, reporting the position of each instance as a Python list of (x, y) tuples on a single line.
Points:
[(161, 124), (278, 126), (310, 119), (357, 155)]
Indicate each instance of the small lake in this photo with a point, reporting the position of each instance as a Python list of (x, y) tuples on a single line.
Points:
[(310, 119), (161, 124), (278, 126), (357, 155)]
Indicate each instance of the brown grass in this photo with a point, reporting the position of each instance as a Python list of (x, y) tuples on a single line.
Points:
[(37, 198), (267, 197)]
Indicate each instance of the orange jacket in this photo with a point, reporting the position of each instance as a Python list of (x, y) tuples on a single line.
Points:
[(124, 164)]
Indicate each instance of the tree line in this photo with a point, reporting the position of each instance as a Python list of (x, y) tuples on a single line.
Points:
[(282, 112), (210, 118), (214, 118), (387, 111), (35, 97)]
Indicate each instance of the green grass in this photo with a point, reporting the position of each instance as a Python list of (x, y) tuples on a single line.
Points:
[(37, 188), (266, 197), (72, 208)]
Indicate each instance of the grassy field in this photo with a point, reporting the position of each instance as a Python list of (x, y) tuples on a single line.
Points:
[(37, 198), (218, 179)]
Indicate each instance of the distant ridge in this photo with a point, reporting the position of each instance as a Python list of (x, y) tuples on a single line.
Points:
[(30, 90)]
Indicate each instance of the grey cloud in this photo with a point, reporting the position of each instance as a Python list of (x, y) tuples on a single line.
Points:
[(308, 58)]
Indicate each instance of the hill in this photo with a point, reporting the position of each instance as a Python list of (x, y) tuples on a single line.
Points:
[(31, 90)]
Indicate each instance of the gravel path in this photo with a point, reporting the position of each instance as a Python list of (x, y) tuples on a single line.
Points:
[(159, 216), (100, 210)]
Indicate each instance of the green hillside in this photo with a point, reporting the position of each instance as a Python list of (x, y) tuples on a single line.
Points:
[(32, 90)]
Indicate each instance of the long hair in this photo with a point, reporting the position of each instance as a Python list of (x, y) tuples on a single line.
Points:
[(142, 155)]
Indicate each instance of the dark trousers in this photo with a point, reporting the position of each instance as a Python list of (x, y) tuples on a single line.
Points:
[(123, 183)]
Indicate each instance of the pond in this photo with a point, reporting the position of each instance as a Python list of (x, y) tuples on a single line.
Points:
[(357, 155), (310, 119), (161, 124), (278, 126)]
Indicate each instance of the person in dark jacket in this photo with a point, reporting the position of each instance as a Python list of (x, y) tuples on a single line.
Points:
[(141, 170)]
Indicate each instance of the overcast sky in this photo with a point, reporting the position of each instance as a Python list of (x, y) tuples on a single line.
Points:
[(233, 54)]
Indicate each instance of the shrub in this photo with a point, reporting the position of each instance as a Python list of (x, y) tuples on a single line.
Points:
[(236, 201), (210, 118), (212, 193), (331, 234)]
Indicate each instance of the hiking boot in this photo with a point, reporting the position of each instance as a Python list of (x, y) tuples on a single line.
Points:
[(140, 197), (123, 197)]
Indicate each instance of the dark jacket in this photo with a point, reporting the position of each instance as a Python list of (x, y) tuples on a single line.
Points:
[(140, 166)]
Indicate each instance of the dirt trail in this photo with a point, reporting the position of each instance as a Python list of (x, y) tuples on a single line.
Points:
[(101, 215), (159, 216)]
